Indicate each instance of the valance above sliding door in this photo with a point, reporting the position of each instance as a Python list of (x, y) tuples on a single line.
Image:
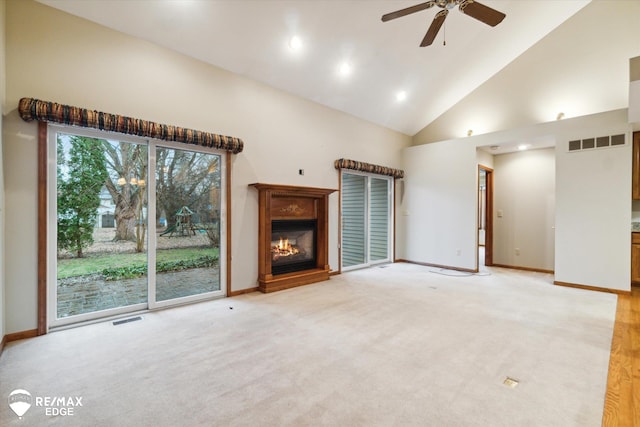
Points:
[(34, 109), (368, 167)]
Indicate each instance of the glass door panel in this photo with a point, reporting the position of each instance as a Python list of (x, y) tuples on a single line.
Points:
[(366, 220), (188, 208), (101, 244), (354, 206), (379, 220)]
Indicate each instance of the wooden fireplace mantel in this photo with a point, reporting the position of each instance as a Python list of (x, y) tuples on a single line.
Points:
[(281, 202)]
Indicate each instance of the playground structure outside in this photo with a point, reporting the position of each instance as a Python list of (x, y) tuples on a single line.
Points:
[(103, 242)]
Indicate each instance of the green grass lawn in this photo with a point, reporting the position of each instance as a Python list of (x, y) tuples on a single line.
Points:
[(95, 263)]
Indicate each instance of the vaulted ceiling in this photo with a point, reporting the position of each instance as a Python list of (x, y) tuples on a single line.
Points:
[(253, 38)]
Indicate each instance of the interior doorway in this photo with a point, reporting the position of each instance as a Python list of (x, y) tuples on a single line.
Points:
[(485, 216)]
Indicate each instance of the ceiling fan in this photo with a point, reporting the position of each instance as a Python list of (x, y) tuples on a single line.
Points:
[(469, 7)]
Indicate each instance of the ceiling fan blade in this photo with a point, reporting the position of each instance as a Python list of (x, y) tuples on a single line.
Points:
[(407, 11), (481, 12), (434, 28)]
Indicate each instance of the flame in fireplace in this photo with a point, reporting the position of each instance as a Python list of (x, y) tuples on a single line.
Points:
[(284, 244), (283, 248)]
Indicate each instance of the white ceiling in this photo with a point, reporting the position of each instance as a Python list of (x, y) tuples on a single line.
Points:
[(250, 37)]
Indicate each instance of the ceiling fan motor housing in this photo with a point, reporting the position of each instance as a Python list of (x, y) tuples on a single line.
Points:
[(447, 4)]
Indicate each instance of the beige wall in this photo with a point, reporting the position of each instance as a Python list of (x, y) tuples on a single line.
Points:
[(524, 193), (634, 92), (69, 60), (634, 69), (580, 68)]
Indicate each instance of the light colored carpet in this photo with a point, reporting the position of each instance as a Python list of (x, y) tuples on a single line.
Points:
[(393, 346)]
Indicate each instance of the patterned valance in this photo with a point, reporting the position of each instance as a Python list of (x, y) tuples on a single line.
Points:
[(34, 109), (368, 167)]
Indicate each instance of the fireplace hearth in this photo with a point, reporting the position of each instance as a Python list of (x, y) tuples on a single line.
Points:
[(292, 236)]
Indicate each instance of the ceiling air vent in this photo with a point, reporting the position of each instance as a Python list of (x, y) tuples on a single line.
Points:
[(599, 142)]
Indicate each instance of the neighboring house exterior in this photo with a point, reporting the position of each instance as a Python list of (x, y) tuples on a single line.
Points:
[(106, 210)]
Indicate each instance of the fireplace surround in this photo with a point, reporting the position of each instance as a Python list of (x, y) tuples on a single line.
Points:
[(292, 236)]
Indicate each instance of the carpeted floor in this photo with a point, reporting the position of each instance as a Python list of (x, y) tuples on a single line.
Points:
[(393, 346)]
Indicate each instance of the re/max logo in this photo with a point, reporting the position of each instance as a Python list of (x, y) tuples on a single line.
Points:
[(58, 401)]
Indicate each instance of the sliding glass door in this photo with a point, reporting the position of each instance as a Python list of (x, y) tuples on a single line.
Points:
[(366, 219), (188, 223), (129, 236)]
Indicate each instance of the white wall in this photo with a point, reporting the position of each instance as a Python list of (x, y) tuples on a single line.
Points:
[(634, 90), (21, 237), (437, 203), (438, 212), (593, 207), (524, 193), (484, 158), (72, 61), (634, 101)]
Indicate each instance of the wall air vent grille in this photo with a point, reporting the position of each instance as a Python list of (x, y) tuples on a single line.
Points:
[(598, 142)]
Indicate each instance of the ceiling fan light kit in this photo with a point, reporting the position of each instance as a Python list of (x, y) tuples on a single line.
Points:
[(471, 8)]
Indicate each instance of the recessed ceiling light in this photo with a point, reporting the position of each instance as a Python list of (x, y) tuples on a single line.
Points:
[(523, 147), (295, 43), (401, 96), (344, 69)]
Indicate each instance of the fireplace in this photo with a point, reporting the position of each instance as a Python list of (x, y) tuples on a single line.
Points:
[(292, 236), (293, 245)]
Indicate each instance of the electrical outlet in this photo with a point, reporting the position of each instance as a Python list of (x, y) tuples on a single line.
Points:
[(517, 251), (458, 252), (301, 171)]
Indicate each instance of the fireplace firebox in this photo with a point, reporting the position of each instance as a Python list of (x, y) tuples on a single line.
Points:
[(292, 236), (293, 245)]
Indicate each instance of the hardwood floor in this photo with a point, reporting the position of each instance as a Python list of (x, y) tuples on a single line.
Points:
[(622, 403)]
